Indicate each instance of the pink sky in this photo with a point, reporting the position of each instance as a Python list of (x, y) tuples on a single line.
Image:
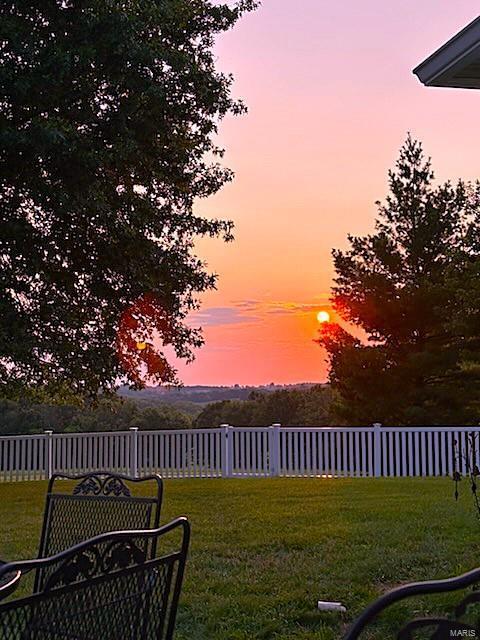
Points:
[(331, 97)]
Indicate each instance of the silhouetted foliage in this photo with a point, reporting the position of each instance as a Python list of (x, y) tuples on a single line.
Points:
[(412, 287), (310, 407), (466, 460), (203, 393), (108, 414), (109, 110)]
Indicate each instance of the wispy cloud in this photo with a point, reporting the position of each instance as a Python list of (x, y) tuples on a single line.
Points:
[(252, 311), (292, 307), (216, 316), (283, 307), (247, 305)]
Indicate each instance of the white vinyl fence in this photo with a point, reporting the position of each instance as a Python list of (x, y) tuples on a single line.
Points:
[(245, 452)]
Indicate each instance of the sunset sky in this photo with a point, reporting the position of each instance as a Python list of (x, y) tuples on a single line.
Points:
[(331, 97)]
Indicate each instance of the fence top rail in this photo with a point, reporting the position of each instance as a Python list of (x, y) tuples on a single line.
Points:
[(90, 434), (141, 432), (25, 436), (327, 429), (250, 429), (437, 429), (167, 432), (103, 434), (219, 430), (397, 429), (54, 434)]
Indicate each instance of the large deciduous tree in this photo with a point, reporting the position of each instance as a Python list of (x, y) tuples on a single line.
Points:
[(108, 116), (412, 288)]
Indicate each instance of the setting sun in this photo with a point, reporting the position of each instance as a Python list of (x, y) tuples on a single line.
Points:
[(323, 316)]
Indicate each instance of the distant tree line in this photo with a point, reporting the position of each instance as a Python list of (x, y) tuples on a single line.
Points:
[(19, 417), (309, 407), (201, 394), (289, 407)]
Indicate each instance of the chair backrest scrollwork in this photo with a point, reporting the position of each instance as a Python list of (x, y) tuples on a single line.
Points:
[(97, 503)]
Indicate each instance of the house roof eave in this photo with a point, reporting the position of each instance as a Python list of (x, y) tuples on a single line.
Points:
[(455, 63)]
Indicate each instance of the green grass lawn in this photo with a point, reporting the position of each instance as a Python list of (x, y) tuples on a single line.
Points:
[(265, 550)]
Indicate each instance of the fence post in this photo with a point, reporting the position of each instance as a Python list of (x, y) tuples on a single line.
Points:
[(49, 456), (134, 452), (377, 450), (230, 451), (227, 450), (274, 448)]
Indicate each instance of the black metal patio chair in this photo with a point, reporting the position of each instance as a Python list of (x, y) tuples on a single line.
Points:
[(112, 587), (99, 502), (463, 623)]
